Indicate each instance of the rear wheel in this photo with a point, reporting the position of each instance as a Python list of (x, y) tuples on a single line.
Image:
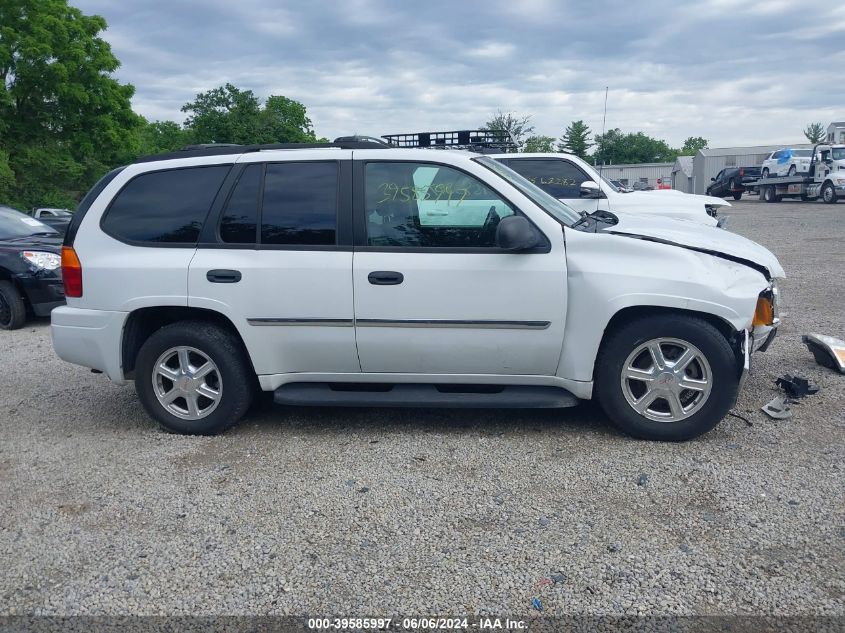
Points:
[(829, 193), (193, 378), (770, 194), (732, 186), (12, 307), (667, 377)]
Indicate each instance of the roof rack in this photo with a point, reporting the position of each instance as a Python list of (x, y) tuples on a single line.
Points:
[(482, 141), (226, 149)]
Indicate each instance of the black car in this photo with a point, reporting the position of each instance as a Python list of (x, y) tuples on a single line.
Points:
[(30, 268), (732, 181)]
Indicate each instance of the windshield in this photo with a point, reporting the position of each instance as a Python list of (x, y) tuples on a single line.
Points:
[(838, 153), (547, 203), (611, 185), (15, 224)]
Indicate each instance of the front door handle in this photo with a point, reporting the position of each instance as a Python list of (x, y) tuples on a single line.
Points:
[(223, 276), (385, 278)]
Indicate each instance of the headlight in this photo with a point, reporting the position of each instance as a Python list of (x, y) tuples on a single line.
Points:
[(840, 181), (40, 259)]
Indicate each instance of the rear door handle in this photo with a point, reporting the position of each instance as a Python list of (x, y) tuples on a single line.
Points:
[(223, 276), (385, 278)]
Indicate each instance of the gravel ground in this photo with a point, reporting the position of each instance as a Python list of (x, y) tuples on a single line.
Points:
[(401, 512)]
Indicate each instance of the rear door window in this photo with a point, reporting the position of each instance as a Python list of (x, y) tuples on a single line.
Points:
[(300, 204), (164, 206)]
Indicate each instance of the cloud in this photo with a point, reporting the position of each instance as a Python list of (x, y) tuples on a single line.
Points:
[(732, 71)]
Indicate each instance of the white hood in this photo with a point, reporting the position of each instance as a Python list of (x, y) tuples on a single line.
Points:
[(676, 195), (693, 235)]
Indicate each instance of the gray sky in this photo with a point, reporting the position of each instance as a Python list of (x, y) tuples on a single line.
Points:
[(733, 71)]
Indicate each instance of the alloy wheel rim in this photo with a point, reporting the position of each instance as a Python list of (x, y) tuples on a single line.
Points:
[(187, 383), (666, 380)]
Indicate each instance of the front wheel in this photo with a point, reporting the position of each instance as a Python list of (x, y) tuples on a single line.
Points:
[(765, 172), (667, 377), (829, 193), (792, 171), (194, 378), (12, 307)]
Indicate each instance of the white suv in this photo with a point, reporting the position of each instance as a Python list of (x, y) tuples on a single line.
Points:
[(787, 162), (348, 275)]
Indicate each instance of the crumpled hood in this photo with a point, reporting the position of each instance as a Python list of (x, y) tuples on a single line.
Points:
[(689, 234), (676, 195)]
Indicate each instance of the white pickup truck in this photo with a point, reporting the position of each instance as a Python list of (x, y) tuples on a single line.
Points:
[(580, 186)]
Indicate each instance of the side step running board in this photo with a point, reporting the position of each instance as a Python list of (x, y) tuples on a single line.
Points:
[(423, 395)]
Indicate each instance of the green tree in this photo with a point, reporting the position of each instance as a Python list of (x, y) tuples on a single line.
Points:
[(519, 127), (576, 139), (284, 120), (7, 178), (693, 144), (64, 119), (158, 137), (815, 133), (230, 115), (539, 144), (615, 147)]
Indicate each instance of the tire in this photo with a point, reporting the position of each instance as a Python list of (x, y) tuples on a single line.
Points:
[(12, 307), (193, 344), (770, 194), (714, 365), (829, 193), (732, 190), (792, 171), (765, 173)]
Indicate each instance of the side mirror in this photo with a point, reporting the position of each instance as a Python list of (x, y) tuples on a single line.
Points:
[(515, 233), (589, 189)]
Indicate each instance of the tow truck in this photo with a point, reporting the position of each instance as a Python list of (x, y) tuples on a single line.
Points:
[(825, 179)]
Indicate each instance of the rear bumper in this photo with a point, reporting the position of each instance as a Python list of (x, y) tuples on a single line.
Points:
[(91, 338)]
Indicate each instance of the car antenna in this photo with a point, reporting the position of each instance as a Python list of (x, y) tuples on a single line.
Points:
[(603, 125)]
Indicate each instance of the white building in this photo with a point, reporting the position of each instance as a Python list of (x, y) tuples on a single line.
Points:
[(651, 174), (836, 132), (682, 174)]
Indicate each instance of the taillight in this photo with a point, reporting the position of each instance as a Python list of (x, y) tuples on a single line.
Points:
[(71, 272)]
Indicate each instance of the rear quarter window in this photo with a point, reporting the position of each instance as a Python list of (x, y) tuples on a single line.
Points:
[(164, 207)]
